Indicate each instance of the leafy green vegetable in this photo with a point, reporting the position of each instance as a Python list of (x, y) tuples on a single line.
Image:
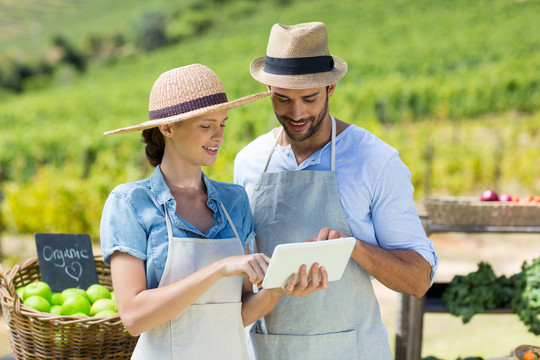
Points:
[(477, 292), (526, 301), (482, 290)]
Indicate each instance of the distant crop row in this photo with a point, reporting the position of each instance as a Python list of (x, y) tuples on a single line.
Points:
[(458, 96), (66, 193)]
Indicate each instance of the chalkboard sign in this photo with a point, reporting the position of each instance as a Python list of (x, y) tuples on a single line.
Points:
[(66, 260)]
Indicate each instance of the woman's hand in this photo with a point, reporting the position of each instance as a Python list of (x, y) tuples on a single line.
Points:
[(251, 266)]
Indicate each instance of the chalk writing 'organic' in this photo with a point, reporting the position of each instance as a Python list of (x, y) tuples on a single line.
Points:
[(58, 256)]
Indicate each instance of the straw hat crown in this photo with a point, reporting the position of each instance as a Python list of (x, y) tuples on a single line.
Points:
[(302, 40), (184, 93), (297, 57), (178, 86)]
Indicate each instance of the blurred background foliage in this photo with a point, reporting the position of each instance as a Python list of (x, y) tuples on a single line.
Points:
[(454, 85)]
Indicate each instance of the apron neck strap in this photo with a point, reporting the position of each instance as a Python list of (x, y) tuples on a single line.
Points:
[(333, 147), (168, 222), (169, 227), (230, 221), (272, 150)]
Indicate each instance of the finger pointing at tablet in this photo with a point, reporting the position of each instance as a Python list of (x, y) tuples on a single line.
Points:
[(326, 234)]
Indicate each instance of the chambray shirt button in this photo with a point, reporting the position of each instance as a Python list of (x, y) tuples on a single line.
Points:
[(218, 221)]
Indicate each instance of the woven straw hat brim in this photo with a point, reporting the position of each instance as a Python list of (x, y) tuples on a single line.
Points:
[(306, 81), (189, 115)]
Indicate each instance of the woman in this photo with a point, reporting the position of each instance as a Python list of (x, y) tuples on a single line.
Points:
[(175, 240)]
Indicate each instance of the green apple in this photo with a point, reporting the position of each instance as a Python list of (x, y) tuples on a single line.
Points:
[(102, 304), (69, 291), (56, 309), (39, 288), (37, 302), (106, 313), (96, 292), (56, 298), (74, 304), (20, 292)]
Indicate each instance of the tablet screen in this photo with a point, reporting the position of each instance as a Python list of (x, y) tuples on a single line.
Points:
[(287, 258)]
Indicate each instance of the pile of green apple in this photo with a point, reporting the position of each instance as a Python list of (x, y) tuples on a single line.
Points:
[(96, 300)]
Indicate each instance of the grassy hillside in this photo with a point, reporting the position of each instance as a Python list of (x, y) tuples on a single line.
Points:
[(458, 77), (31, 24)]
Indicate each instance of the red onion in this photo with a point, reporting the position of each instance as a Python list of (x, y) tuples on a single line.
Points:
[(489, 195), (505, 197)]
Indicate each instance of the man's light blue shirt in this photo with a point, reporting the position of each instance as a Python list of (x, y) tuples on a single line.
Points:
[(374, 186), (133, 220)]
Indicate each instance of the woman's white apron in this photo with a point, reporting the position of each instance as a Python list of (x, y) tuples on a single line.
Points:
[(341, 322), (211, 327)]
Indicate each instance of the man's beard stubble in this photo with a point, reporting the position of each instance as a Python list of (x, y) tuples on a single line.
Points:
[(316, 123)]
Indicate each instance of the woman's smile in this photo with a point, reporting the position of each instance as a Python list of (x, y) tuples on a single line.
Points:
[(212, 150)]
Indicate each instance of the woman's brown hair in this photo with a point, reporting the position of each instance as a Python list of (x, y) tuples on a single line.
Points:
[(155, 145)]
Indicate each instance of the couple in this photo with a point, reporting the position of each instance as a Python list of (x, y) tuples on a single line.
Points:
[(177, 241)]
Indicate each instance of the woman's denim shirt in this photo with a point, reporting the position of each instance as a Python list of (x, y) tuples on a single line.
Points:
[(133, 220)]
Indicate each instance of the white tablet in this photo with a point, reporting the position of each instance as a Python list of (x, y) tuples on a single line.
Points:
[(287, 259)]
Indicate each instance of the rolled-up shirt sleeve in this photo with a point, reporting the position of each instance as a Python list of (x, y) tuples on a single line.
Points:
[(121, 229), (395, 216)]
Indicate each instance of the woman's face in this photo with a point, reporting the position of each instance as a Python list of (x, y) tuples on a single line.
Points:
[(196, 141)]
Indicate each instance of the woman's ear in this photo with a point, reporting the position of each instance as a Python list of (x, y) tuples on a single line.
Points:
[(166, 130)]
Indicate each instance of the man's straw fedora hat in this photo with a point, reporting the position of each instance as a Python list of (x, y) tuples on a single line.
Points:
[(185, 93), (297, 57)]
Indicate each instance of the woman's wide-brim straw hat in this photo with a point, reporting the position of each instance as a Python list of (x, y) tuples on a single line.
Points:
[(297, 57), (184, 93)]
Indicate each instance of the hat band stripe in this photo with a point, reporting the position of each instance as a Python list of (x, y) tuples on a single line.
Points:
[(188, 106), (298, 66)]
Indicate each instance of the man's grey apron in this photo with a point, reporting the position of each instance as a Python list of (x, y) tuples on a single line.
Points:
[(340, 322), (211, 327)]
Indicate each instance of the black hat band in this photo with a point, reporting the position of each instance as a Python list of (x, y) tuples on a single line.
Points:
[(298, 66), (195, 104)]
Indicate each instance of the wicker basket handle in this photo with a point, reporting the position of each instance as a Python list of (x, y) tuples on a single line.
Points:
[(3, 281), (3, 273), (7, 277)]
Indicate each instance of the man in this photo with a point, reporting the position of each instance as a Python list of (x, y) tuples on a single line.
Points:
[(324, 178)]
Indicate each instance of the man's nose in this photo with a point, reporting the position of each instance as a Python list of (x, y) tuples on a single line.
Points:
[(297, 111)]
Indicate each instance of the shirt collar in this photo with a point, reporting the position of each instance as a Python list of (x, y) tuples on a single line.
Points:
[(314, 159), (159, 187), (211, 190)]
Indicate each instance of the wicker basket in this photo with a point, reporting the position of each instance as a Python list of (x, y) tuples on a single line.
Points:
[(521, 350), (37, 335), (470, 211)]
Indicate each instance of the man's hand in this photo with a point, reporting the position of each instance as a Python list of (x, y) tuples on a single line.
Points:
[(327, 234), (299, 285)]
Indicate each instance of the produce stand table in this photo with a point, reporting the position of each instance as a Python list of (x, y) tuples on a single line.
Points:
[(411, 310)]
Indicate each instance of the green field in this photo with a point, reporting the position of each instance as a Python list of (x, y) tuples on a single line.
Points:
[(458, 77)]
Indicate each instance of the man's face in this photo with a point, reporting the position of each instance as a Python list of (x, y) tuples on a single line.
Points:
[(301, 111)]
